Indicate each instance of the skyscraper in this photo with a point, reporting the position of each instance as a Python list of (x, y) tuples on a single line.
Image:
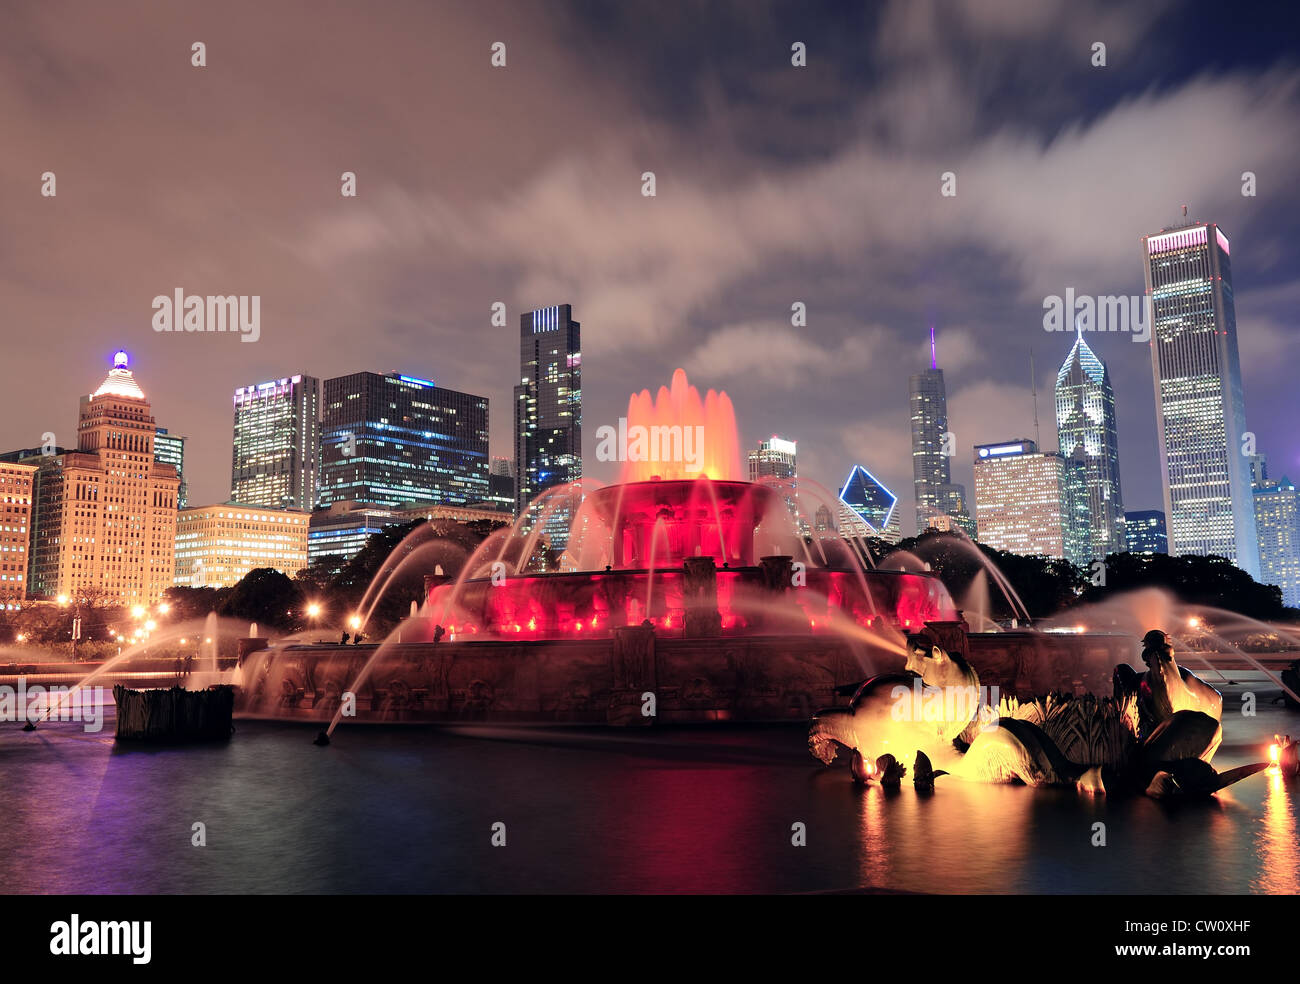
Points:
[(391, 439), (776, 459), (773, 458), (17, 482), (1144, 532), (1277, 520), (170, 450), (1200, 408), (1085, 428), (548, 414), (1030, 502), (105, 520), (939, 502), (501, 485), (867, 507), (277, 443)]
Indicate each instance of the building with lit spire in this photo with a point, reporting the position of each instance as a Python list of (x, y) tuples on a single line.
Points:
[(1086, 432), (940, 503), (105, 513)]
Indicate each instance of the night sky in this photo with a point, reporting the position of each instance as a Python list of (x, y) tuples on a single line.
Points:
[(522, 184)]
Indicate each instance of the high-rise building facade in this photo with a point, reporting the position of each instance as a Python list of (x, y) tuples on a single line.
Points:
[(1277, 522), (1144, 532), (1086, 431), (105, 524), (1030, 502), (501, 487), (940, 503), (389, 439), (276, 452), (776, 460), (217, 545), (337, 534), (548, 416), (170, 450), (17, 483), (1200, 407)]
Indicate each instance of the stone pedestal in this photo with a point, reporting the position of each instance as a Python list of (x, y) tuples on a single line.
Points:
[(700, 597), (632, 666)]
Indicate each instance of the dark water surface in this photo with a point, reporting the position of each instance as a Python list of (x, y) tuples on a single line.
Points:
[(411, 809)]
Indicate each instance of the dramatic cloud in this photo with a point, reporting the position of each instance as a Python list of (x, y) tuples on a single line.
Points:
[(775, 185)]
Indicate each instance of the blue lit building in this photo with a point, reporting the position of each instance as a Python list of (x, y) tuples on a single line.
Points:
[(868, 508), (389, 439)]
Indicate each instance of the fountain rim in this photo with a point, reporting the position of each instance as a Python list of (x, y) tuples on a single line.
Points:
[(619, 489), (679, 568)]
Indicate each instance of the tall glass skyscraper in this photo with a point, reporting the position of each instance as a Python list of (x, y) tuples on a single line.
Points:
[(1085, 428), (939, 502), (548, 414), (277, 443), (1200, 409), (389, 439), (170, 450)]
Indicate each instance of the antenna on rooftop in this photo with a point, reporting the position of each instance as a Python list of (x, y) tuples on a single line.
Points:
[(1033, 385)]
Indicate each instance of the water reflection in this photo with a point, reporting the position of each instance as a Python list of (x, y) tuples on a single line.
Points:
[(1278, 848)]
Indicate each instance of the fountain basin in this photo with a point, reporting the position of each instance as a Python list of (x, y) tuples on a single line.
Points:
[(750, 599)]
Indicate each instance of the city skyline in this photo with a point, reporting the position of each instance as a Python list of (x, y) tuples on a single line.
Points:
[(1054, 190)]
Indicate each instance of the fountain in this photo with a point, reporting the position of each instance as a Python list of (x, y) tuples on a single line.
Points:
[(666, 606)]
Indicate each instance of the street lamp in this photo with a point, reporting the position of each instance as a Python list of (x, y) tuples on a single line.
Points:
[(313, 609)]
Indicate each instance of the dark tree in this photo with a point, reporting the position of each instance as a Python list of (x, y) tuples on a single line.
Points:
[(1211, 581), (193, 603), (267, 597), (1044, 584)]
